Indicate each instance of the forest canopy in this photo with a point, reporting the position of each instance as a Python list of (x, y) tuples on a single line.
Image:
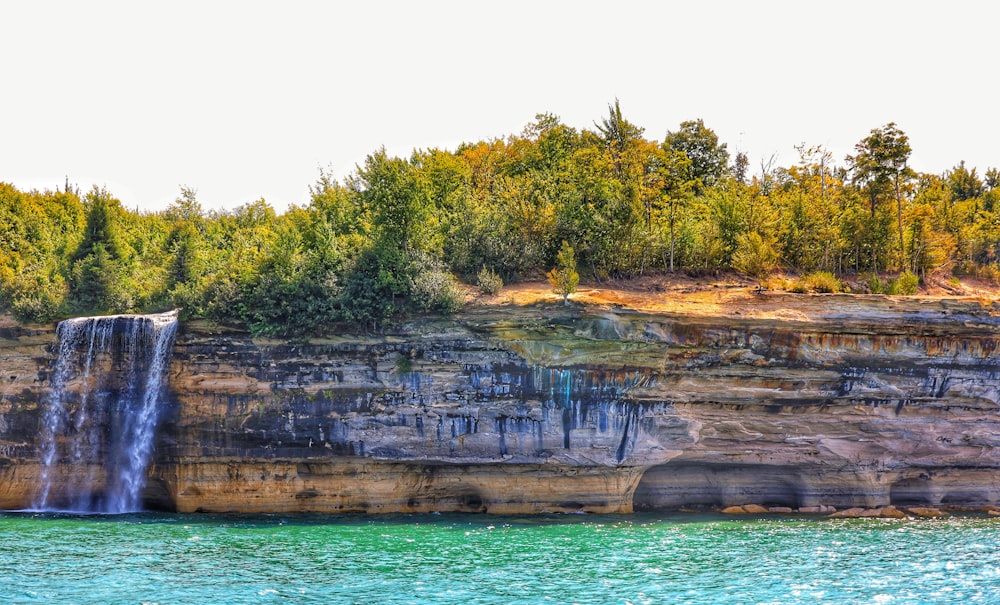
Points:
[(399, 235)]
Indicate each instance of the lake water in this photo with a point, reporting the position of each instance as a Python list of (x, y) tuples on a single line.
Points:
[(175, 559)]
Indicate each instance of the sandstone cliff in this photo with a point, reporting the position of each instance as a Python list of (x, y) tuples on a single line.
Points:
[(842, 401)]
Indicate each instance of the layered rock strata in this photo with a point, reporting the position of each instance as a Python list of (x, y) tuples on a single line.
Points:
[(852, 402)]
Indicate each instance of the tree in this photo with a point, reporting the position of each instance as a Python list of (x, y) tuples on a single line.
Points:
[(627, 212), (101, 228), (599, 215), (338, 208), (964, 183), (754, 255), (929, 247), (36, 229), (813, 161), (186, 248), (555, 141), (992, 179), (880, 169), (709, 159), (672, 172), (395, 193), (619, 135), (186, 207), (741, 167), (563, 276), (807, 200), (100, 271)]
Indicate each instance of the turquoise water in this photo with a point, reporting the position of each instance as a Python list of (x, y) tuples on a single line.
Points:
[(168, 559)]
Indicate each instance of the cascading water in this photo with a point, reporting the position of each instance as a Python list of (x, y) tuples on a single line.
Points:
[(100, 418)]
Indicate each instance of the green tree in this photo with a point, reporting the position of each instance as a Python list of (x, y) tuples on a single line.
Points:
[(629, 211), (366, 300), (964, 184), (725, 214), (709, 158), (187, 208), (294, 290), (603, 216), (992, 179), (38, 232), (240, 240), (563, 277), (671, 172), (807, 200), (929, 246), (397, 196), (620, 136), (101, 230), (983, 237), (880, 169), (187, 252), (754, 255), (100, 280), (556, 142)]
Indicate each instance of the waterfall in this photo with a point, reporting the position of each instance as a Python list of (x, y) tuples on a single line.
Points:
[(101, 414)]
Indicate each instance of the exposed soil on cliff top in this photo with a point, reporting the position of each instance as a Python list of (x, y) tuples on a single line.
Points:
[(730, 294), (734, 295)]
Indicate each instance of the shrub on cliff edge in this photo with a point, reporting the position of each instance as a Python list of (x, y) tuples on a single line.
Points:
[(818, 281), (564, 278), (489, 281)]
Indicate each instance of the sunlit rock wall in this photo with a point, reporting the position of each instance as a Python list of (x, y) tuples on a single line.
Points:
[(446, 419), (527, 409)]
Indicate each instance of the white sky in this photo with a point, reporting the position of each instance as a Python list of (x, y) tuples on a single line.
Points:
[(243, 100)]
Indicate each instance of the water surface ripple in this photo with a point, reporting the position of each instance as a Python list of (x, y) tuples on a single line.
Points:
[(437, 559)]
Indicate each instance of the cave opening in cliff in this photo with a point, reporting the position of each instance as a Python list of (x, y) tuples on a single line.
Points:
[(914, 491), (700, 486)]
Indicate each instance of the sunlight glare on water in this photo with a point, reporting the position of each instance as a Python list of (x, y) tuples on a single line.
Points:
[(437, 559)]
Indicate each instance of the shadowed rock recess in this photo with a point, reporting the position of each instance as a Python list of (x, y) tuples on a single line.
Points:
[(513, 409)]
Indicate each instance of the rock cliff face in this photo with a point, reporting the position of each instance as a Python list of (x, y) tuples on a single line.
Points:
[(850, 402)]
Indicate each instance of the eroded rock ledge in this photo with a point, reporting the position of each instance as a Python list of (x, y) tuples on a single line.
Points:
[(856, 403)]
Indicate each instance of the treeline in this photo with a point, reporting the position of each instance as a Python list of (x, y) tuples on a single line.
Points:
[(397, 235)]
